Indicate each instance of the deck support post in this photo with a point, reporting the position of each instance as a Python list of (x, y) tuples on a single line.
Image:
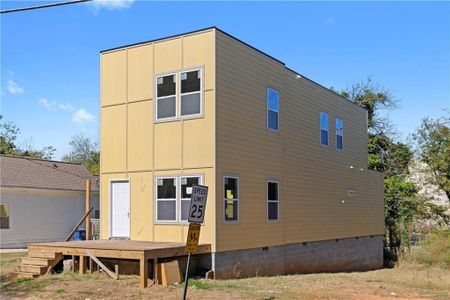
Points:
[(143, 272), (155, 270), (82, 265)]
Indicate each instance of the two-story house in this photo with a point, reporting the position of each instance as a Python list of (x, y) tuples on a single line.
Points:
[(285, 159)]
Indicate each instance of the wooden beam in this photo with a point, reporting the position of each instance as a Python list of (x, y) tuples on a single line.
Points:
[(58, 258), (88, 209), (143, 272), (113, 275), (82, 265), (78, 224)]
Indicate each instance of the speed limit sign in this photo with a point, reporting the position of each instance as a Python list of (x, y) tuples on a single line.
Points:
[(198, 204)]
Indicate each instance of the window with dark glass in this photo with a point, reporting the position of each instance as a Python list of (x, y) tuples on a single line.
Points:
[(190, 93), (272, 200), (231, 198), (186, 190), (4, 216), (339, 134), (324, 129), (273, 109), (166, 97), (166, 199)]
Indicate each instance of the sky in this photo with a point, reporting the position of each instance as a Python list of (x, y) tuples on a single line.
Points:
[(50, 57)]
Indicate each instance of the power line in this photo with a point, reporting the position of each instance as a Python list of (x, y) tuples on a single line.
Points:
[(42, 6)]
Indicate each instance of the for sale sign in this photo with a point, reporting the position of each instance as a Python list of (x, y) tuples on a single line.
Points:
[(198, 204)]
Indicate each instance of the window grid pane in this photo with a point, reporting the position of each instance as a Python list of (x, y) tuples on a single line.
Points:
[(166, 86), (231, 199)]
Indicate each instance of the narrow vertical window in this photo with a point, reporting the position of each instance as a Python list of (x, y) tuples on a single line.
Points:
[(273, 109), (166, 199), (4, 216), (166, 97), (272, 201), (324, 129), (231, 198), (186, 190), (191, 83), (339, 134)]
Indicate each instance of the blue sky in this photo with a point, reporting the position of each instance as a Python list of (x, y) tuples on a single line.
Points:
[(50, 57)]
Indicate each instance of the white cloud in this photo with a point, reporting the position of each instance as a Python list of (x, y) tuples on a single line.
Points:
[(66, 107), (47, 104), (330, 21), (111, 4), (14, 88), (82, 116)]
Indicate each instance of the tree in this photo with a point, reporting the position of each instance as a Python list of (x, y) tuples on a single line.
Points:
[(84, 151), (433, 148), (9, 133)]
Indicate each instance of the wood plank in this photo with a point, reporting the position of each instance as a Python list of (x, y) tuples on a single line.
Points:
[(143, 272), (82, 264), (113, 275)]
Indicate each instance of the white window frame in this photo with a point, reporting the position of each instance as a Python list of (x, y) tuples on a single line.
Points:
[(273, 201), (169, 199), (165, 97), (337, 134), (200, 70), (326, 129), (269, 109), (234, 199), (180, 194)]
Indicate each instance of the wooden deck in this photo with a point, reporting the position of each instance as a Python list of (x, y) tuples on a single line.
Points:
[(119, 249)]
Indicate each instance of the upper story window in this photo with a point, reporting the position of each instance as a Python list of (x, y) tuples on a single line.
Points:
[(4, 216), (179, 95), (166, 97), (339, 134), (231, 198), (273, 109), (190, 93), (272, 201), (324, 129)]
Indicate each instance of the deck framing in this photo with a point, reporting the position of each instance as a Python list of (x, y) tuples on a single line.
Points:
[(120, 249)]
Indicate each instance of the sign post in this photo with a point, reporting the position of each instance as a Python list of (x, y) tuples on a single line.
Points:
[(196, 216)]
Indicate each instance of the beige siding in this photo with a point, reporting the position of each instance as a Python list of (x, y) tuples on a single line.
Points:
[(137, 148), (313, 179)]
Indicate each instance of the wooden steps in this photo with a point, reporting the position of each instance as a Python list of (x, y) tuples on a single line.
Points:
[(38, 263)]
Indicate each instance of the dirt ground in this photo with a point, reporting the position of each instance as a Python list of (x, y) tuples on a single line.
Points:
[(407, 281)]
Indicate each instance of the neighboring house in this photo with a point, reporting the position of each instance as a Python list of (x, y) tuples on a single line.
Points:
[(285, 159), (41, 200)]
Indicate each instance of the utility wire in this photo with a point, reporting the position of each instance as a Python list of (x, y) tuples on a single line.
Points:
[(5, 11)]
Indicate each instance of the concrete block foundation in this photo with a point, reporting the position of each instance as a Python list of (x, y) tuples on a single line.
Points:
[(340, 255)]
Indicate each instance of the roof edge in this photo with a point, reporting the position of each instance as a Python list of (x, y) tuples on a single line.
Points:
[(41, 159)]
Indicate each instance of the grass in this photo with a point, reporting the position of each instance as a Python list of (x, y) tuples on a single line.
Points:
[(420, 275), (435, 251)]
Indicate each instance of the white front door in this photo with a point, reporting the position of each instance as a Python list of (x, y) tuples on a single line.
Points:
[(120, 208)]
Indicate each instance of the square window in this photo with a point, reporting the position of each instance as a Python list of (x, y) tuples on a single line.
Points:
[(185, 206), (190, 104), (166, 86), (324, 137), (190, 82), (231, 210), (166, 107), (186, 186), (231, 190), (272, 191), (273, 120), (167, 188), (166, 210)]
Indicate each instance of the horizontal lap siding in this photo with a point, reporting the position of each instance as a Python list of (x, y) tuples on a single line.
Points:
[(313, 179)]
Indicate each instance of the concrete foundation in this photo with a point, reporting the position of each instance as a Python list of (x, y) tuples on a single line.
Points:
[(349, 254)]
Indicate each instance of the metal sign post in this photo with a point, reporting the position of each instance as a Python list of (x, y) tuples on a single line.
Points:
[(196, 216)]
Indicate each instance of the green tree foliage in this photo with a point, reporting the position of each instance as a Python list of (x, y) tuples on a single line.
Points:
[(84, 151), (433, 148), (403, 206), (8, 143)]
